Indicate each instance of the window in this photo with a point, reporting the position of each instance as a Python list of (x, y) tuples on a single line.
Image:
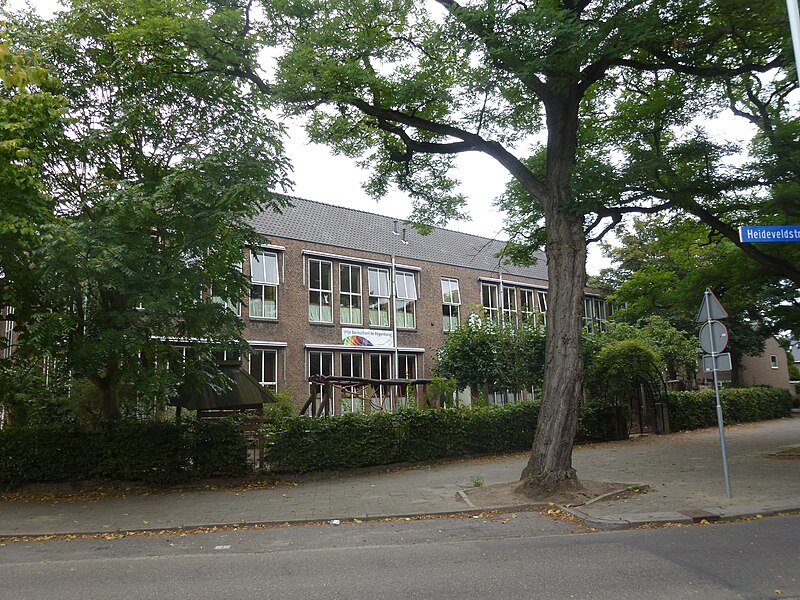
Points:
[(320, 291), (378, 297), (527, 305), (509, 305), (594, 314), (264, 284), (773, 361), (489, 301), (350, 295), (406, 369), (541, 301), (380, 367), (320, 363), (405, 300), (264, 367), (451, 300), (8, 333), (235, 306), (352, 366)]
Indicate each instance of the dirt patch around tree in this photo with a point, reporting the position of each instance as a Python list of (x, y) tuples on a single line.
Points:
[(505, 494)]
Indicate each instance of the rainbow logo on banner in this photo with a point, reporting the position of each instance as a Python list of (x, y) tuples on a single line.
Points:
[(356, 340)]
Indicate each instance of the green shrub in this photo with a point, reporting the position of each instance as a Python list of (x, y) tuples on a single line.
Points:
[(692, 410), (148, 452), (300, 445)]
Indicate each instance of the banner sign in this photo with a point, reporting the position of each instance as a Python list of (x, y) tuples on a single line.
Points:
[(769, 233), (376, 338)]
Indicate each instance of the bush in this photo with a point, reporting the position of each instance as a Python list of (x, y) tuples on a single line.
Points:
[(692, 410), (300, 445), (148, 452)]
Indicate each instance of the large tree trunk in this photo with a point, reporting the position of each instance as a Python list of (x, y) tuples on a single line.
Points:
[(109, 409), (550, 464)]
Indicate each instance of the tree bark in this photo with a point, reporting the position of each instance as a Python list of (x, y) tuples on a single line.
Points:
[(550, 465), (109, 409)]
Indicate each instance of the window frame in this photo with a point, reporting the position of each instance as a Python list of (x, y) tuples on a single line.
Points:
[(320, 292), (380, 301), (272, 385), (509, 309), (492, 312), (451, 310), (349, 296), (405, 300), (264, 291)]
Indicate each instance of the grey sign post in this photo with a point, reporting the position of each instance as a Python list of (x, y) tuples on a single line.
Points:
[(714, 339)]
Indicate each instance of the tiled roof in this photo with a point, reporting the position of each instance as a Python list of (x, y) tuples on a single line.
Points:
[(310, 221)]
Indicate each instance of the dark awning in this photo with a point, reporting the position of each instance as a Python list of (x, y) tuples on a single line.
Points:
[(245, 392)]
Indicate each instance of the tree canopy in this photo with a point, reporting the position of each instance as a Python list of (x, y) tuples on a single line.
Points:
[(149, 192)]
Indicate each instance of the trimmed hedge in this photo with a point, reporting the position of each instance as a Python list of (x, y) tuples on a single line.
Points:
[(301, 445), (693, 410), (149, 452)]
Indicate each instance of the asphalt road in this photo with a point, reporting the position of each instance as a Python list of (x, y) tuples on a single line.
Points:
[(509, 556)]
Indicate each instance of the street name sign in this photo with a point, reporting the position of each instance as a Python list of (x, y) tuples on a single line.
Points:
[(769, 233)]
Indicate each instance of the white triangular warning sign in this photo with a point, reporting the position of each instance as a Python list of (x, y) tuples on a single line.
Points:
[(710, 308)]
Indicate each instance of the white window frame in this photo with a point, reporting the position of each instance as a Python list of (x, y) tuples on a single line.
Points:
[(527, 303), (509, 305), (352, 402), (323, 296), (773, 361), (263, 284), (349, 300), (541, 303), (451, 301), (8, 333), (405, 302), (489, 291), (378, 290), (260, 355)]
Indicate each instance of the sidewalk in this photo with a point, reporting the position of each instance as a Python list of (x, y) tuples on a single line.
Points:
[(684, 472)]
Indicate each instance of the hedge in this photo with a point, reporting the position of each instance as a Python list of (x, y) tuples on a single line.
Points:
[(692, 410), (300, 445), (166, 453), (149, 452)]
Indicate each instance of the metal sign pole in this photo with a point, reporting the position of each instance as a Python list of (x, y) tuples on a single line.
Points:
[(719, 406)]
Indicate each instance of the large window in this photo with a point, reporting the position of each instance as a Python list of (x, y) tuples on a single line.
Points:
[(8, 333), (320, 291), (509, 305), (352, 366), (405, 300), (451, 301), (264, 367), (320, 363), (406, 369), (541, 302), (527, 306), (594, 314), (489, 301), (234, 305), (350, 295), (264, 284), (380, 367), (378, 297)]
